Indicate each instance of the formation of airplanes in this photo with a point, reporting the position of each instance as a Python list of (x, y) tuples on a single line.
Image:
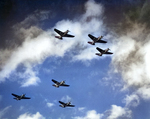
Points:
[(62, 83), (95, 40), (57, 84)]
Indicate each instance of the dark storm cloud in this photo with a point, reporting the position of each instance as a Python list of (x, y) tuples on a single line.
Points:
[(5, 13), (13, 12), (32, 44), (23, 19), (131, 43), (121, 17)]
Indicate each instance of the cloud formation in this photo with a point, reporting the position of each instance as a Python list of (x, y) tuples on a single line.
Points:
[(131, 59), (131, 54), (117, 112), (4, 111), (66, 98), (31, 116), (92, 114), (36, 45), (132, 100), (50, 104)]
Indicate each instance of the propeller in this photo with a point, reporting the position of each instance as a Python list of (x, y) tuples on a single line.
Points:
[(64, 81), (24, 94), (69, 102)]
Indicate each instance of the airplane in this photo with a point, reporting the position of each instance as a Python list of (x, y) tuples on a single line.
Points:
[(66, 104), (62, 34), (19, 97), (103, 51), (96, 40), (57, 84)]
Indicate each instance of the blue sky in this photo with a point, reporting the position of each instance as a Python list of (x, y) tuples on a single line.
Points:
[(107, 87)]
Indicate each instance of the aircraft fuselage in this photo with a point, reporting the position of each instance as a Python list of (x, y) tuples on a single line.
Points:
[(57, 85), (19, 98), (64, 33), (103, 52), (64, 105), (59, 37), (99, 38)]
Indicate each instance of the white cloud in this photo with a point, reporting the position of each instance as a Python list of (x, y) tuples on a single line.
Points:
[(86, 54), (37, 44), (144, 92), (93, 9), (29, 77), (4, 111), (50, 104), (66, 98), (31, 81), (131, 59), (132, 100), (31, 116), (92, 114), (117, 112), (81, 109), (21, 108)]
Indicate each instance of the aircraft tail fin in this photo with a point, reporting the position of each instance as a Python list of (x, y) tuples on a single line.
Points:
[(98, 54), (59, 37), (16, 99), (91, 43), (55, 85), (62, 106)]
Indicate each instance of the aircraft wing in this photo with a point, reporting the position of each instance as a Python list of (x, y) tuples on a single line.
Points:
[(15, 95), (64, 85), (62, 103), (59, 32), (92, 37), (68, 35), (108, 53), (71, 105), (55, 81), (99, 49), (101, 41), (26, 98)]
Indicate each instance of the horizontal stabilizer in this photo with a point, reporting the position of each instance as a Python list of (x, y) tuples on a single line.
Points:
[(98, 54), (58, 37), (91, 43)]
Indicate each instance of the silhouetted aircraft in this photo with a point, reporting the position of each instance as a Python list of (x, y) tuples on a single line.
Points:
[(57, 84), (96, 40), (66, 104), (17, 97), (62, 34), (103, 51)]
